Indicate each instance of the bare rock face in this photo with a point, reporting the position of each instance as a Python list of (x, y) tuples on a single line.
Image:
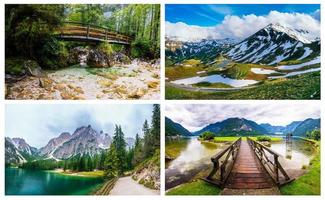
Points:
[(97, 59), (149, 175), (16, 150), (87, 57), (85, 140), (53, 144), (22, 146)]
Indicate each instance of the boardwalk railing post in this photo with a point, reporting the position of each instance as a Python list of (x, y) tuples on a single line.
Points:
[(88, 26), (276, 168), (214, 170)]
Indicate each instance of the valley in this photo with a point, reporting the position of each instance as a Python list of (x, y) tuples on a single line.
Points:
[(270, 64)]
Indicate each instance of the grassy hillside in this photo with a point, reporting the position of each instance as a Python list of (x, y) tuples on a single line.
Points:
[(305, 86)]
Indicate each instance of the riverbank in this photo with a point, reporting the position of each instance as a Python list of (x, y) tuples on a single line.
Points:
[(309, 183), (138, 80)]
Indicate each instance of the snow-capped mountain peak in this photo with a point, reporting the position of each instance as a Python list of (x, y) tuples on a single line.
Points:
[(297, 34)]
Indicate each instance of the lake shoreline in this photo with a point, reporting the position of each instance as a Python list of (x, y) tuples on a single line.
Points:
[(93, 174)]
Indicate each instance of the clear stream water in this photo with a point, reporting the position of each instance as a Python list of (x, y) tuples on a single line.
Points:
[(195, 158), (38, 182)]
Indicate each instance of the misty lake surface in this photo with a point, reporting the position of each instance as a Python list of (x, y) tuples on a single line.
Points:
[(38, 182), (195, 157), (296, 154)]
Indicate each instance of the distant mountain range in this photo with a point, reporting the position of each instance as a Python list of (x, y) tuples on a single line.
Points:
[(242, 127), (270, 45), (84, 141)]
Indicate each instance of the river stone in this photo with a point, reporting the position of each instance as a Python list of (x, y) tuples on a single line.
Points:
[(97, 59), (78, 55), (33, 69)]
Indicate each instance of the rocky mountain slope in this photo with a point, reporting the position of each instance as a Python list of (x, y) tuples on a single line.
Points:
[(205, 50), (273, 44), (270, 45), (84, 140)]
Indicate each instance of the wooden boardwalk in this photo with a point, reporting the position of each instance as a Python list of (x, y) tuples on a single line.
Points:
[(248, 172), (91, 33)]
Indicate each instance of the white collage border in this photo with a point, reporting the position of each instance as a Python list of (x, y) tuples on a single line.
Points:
[(162, 100)]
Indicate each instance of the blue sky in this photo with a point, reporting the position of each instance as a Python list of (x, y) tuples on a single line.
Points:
[(210, 15), (38, 123)]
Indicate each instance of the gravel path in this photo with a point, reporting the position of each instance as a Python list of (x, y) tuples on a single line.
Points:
[(127, 186)]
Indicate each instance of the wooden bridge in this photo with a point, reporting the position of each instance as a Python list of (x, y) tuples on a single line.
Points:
[(77, 31), (247, 164)]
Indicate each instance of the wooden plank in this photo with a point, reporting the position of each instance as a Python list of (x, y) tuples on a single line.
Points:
[(247, 172)]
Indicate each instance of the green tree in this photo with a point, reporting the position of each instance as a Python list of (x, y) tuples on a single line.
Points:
[(111, 164)]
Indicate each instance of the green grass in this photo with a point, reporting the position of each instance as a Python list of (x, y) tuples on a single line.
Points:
[(197, 187), (93, 174), (305, 86), (232, 139), (225, 139), (179, 72), (308, 184), (212, 85)]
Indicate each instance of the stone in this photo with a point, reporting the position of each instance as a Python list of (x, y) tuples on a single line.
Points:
[(153, 84), (45, 83), (97, 59), (33, 69)]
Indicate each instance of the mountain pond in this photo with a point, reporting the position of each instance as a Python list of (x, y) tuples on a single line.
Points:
[(194, 159)]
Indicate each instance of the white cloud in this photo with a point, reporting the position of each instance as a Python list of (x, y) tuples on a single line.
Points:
[(38, 123), (195, 116), (237, 27)]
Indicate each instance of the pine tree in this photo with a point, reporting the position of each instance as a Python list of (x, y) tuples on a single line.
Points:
[(155, 126), (120, 145), (111, 164)]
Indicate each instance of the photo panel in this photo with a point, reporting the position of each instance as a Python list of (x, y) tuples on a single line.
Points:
[(82, 51), (242, 51), (266, 148), (82, 149)]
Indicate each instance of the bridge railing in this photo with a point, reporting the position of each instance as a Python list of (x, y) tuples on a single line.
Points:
[(270, 161), (92, 31), (223, 162)]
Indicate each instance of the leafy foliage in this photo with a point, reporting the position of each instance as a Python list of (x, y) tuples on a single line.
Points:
[(207, 135), (314, 134)]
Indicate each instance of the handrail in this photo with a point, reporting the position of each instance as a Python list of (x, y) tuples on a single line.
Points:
[(273, 167), (93, 32), (96, 26), (223, 166)]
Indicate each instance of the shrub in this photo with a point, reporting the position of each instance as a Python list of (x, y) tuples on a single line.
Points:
[(106, 48), (263, 138), (207, 135)]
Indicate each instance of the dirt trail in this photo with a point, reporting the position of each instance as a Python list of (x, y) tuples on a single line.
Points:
[(128, 186)]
